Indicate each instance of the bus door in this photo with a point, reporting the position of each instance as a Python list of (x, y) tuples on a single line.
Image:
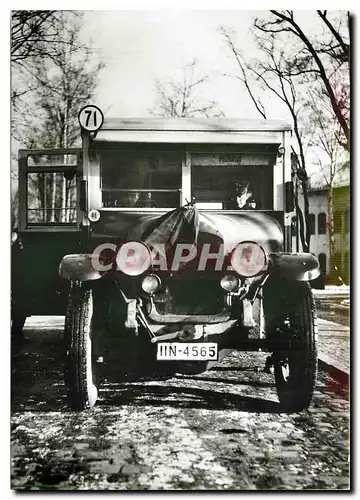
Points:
[(48, 225)]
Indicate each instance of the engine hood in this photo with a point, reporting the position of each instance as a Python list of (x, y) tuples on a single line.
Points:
[(190, 225), (259, 227)]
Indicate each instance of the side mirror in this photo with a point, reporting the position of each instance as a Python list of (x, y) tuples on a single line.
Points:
[(289, 197), (83, 196)]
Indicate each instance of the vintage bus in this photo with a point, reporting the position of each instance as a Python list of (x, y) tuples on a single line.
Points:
[(167, 244)]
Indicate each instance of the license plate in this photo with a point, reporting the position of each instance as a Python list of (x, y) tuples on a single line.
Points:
[(186, 351)]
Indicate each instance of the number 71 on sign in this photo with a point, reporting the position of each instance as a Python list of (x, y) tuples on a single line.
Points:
[(91, 118)]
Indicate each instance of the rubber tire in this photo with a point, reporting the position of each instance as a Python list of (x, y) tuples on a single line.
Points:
[(295, 393), (78, 373)]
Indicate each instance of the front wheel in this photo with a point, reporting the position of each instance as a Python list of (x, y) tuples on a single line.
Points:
[(295, 370), (79, 375)]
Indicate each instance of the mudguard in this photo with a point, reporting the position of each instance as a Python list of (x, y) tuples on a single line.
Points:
[(294, 266), (78, 267)]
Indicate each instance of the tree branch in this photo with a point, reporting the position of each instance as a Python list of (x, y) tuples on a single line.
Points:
[(335, 105), (257, 103), (345, 47)]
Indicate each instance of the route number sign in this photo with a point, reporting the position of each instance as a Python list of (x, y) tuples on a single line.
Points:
[(91, 118)]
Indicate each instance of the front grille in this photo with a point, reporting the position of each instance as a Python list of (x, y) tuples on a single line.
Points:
[(191, 297)]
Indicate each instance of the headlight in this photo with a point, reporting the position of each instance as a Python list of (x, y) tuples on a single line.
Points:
[(133, 258), (150, 283), (229, 282), (248, 259)]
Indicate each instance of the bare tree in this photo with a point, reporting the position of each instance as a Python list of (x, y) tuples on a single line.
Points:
[(180, 99), (30, 29), (272, 73), (35, 36), (65, 82), (321, 56)]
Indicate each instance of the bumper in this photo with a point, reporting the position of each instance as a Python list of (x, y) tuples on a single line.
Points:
[(158, 318)]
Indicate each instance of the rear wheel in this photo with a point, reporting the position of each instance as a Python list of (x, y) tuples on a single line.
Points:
[(79, 374), (295, 370)]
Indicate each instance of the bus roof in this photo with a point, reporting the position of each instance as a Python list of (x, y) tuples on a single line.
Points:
[(191, 130), (195, 124)]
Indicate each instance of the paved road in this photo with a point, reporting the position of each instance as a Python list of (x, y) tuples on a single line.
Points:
[(217, 431)]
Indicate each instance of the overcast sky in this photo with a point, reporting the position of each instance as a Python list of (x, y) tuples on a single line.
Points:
[(140, 46)]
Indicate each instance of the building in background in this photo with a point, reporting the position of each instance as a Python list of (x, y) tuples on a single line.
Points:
[(335, 268)]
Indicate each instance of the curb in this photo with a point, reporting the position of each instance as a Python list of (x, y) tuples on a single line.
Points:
[(333, 307), (339, 374)]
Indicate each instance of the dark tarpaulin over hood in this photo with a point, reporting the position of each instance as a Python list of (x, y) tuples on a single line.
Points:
[(193, 227), (178, 226)]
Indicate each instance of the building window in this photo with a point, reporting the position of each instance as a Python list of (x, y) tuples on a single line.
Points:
[(322, 262), (312, 224), (322, 223), (293, 226), (337, 221), (347, 221)]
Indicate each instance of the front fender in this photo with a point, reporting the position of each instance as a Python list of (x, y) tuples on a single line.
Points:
[(294, 266), (78, 267)]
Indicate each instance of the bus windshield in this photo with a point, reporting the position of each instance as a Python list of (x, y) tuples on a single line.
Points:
[(141, 179), (232, 181), (153, 179)]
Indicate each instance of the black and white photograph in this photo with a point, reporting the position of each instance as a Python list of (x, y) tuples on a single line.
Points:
[(180, 249)]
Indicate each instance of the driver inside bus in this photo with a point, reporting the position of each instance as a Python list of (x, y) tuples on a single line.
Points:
[(243, 197)]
